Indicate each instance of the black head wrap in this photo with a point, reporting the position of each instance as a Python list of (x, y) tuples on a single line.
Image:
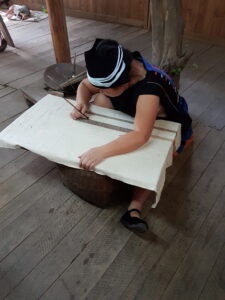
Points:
[(108, 64)]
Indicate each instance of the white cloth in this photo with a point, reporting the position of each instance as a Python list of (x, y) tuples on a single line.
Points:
[(48, 130)]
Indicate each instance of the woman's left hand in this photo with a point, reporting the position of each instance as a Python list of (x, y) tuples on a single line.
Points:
[(91, 158)]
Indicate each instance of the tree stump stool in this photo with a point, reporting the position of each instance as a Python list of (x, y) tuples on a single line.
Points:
[(96, 189)]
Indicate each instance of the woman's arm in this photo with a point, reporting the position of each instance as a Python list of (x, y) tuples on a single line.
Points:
[(146, 113), (85, 91)]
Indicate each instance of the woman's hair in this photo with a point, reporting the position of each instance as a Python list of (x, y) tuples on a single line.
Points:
[(108, 59)]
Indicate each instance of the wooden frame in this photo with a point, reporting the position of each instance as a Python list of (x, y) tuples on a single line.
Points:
[(6, 33)]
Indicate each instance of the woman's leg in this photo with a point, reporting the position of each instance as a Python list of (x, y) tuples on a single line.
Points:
[(132, 219), (103, 101), (140, 195)]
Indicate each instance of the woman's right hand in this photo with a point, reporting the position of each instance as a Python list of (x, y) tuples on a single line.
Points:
[(81, 107)]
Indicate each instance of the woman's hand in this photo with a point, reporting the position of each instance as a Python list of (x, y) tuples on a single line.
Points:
[(85, 91), (91, 158), (81, 107)]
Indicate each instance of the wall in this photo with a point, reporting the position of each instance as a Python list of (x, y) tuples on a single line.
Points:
[(133, 12), (205, 18)]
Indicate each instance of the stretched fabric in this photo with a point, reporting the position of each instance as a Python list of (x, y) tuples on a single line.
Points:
[(48, 130)]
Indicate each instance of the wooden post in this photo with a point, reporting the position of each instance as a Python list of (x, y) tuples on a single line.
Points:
[(58, 27), (167, 35)]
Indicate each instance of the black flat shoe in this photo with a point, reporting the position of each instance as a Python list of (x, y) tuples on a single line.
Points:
[(133, 223)]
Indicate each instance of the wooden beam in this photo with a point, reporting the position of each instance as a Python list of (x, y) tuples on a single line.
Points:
[(5, 32), (58, 27)]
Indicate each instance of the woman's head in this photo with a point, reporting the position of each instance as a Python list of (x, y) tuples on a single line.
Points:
[(108, 64)]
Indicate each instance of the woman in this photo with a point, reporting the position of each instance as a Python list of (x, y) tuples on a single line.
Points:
[(124, 81)]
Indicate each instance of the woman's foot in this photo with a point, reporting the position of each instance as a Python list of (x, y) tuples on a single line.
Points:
[(131, 221), (185, 145)]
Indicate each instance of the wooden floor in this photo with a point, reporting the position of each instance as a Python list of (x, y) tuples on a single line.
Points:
[(54, 245)]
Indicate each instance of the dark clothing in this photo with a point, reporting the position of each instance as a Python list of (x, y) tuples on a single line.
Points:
[(155, 84), (152, 84)]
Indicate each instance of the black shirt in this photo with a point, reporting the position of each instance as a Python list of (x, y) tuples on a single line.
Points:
[(153, 84)]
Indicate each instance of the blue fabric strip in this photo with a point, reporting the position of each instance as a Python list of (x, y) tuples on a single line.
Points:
[(150, 67)]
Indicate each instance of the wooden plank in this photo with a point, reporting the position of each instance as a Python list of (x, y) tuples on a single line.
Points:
[(198, 46), (203, 88), (16, 232), (29, 48), (7, 155), (5, 91), (21, 82), (21, 69), (205, 63), (189, 281), (213, 115), (17, 33), (35, 91), (214, 287), (5, 123), (91, 261), (11, 105), (203, 93), (46, 184), (130, 260), (56, 212), (73, 245), (19, 263), (17, 164), (186, 214), (23, 178), (214, 111)]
